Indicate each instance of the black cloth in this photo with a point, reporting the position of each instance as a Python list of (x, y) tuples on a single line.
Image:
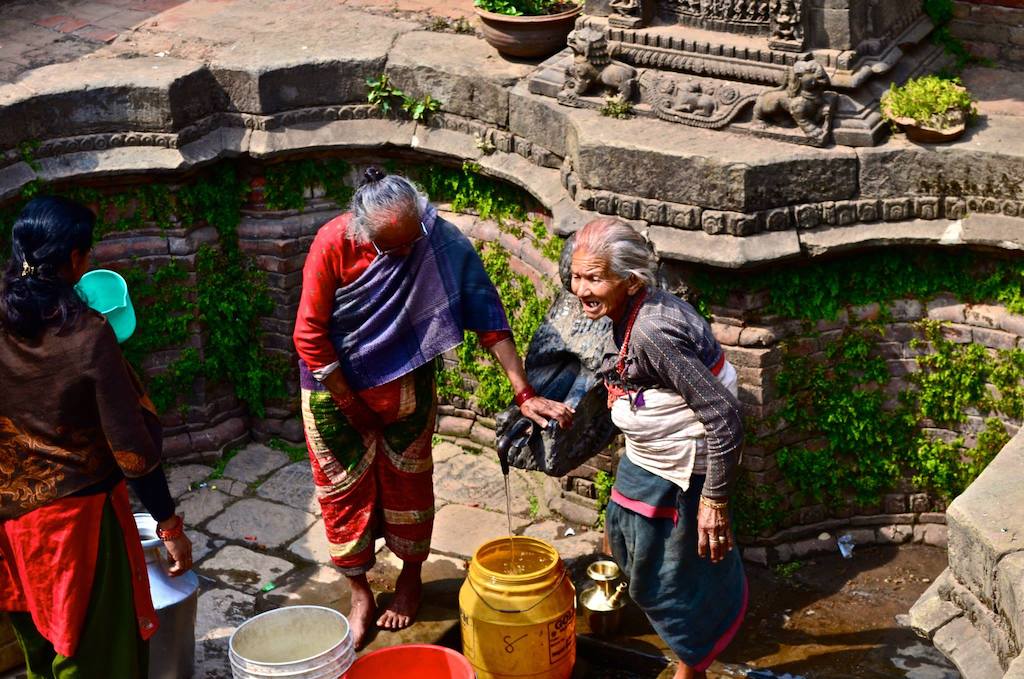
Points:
[(151, 489)]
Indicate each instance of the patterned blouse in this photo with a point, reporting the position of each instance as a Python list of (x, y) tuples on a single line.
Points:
[(671, 346), (71, 414)]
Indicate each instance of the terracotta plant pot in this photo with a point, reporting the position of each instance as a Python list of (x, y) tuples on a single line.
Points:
[(923, 134), (527, 36)]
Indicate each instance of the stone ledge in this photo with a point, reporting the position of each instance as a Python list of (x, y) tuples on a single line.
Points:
[(984, 585), (962, 644), (985, 522), (931, 612), (117, 112)]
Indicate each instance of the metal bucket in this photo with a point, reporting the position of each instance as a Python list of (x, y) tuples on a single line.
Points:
[(297, 642), (172, 649)]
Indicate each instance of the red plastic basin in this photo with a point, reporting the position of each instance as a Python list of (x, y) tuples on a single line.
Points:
[(422, 661)]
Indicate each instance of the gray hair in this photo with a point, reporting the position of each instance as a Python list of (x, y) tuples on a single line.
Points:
[(376, 203), (623, 249)]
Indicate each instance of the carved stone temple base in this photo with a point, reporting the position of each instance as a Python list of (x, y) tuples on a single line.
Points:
[(783, 69)]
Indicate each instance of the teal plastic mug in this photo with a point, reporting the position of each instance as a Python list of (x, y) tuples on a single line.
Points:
[(107, 292)]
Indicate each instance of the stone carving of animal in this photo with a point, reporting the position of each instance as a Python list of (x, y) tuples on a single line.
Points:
[(592, 66), (689, 97), (801, 100)]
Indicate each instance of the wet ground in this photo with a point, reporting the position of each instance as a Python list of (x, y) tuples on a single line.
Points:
[(826, 618), (835, 618), (259, 543)]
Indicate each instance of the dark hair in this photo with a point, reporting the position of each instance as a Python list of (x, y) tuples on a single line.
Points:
[(373, 174), (34, 294)]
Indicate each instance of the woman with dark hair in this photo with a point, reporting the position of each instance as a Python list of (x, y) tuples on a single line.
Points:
[(386, 289), (74, 423)]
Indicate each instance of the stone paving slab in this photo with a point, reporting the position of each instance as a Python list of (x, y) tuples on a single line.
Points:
[(582, 543), (269, 524), (202, 544), (196, 506), (477, 480), (312, 585), (965, 646), (221, 610), (253, 462), (293, 486), (460, 530), (312, 545), (445, 451), (181, 477), (437, 621), (244, 569)]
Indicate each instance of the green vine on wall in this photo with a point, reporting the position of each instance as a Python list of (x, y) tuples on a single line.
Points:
[(525, 306), (228, 298), (819, 291), (840, 401), (941, 13), (862, 439), (288, 186), (952, 382), (846, 434), (468, 190)]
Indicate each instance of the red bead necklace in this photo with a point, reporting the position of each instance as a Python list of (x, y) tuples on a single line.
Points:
[(621, 365)]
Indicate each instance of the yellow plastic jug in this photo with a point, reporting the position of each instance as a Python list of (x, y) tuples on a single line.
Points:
[(518, 621)]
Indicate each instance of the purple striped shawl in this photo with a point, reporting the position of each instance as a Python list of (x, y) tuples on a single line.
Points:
[(405, 311)]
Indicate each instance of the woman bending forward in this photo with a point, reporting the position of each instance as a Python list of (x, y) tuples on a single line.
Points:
[(673, 396)]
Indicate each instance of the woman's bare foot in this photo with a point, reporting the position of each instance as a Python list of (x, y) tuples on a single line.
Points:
[(686, 672), (363, 610), (408, 591)]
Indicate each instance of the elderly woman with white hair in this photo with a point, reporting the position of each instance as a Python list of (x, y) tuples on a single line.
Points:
[(673, 396), (386, 289)]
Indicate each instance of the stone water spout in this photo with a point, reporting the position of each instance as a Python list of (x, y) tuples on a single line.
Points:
[(561, 363)]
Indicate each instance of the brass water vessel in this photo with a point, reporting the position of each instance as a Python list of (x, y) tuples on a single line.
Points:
[(602, 603)]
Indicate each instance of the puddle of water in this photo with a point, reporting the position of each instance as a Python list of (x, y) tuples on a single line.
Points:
[(835, 618)]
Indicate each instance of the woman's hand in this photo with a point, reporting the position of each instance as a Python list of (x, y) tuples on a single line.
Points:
[(361, 416), (542, 410), (179, 547), (537, 408), (714, 539)]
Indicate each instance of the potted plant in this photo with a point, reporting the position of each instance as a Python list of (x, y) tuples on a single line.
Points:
[(929, 109), (527, 28)]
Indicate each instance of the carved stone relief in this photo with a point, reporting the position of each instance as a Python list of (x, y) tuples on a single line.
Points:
[(735, 14), (593, 69), (802, 101), (787, 31), (801, 217), (630, 13), (697, 102)]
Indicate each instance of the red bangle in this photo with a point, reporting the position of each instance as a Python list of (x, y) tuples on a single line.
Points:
[(525, 395), (175, 531)]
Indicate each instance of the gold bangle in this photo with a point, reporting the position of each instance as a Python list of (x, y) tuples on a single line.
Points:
[(714, 504)]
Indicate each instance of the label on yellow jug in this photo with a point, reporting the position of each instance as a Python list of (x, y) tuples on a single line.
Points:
[(544, 649)]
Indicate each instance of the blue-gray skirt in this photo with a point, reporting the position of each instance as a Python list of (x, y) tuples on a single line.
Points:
[(694, 605)]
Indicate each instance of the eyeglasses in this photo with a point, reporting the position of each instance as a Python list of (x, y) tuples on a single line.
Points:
[(391, 251)]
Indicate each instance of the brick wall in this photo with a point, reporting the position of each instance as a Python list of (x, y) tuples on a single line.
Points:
[(754, 344), (993, 29), (278, 241)]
